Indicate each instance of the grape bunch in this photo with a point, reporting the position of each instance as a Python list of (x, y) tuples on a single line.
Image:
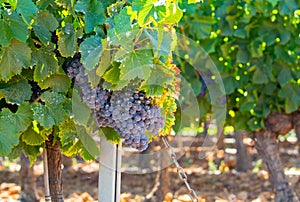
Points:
[(128, 111)]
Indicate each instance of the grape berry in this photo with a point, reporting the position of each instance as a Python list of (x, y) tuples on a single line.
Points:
[(128, 111)]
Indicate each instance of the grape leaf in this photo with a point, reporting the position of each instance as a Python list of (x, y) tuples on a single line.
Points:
[(87, 141), (85, 154), (195, 1), (44, 23), (259, 77), (71, 149), (43, 115), (9, 136), (105, 60), (57, 82), (149, 9), (46, 63), (94, 13), (161, 40), (113, 75), (273, 2), (12, 26), (137, 64), (52, 98), (67, 41), (54, 103), (31, 151), (91, 51), (16, 91), (67, 132), (21, 119), (110, 135), (158, 80), (174, 13), (13, 59), (27, 9), (124, 32), (81, 111), (285, 76), (32, 138)]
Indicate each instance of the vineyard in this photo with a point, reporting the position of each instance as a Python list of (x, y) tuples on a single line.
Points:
[(187, 100)]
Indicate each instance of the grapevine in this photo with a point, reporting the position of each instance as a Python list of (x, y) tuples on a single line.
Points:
[(128, 111)]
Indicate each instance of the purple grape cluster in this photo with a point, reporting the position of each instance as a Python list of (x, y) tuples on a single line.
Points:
[(128, 111)]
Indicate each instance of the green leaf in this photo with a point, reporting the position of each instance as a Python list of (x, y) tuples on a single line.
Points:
[(67, 41), (9, 137), (137, 64), (52, 98), (54, 103), (57, 82), (158, 80), (282, 54), (12, 26), (149, 9), (242, 56), (46, 63), (13, 59), (256, 49), (67, 132), (31, 151), (87, 141), (32, 138), (16, 91), (285, 76), (91, 51), (273, 2), (27, 9), (72, 149), (113, 75), (44, 23), (174, 13), (291, 94), (81, 111), (259, 77), (110, 134), (200, 30), (21, 119), (161, 40), (85, 154), (229, 84), (94, 13), (105, 60), (43, 115), (195, 1)]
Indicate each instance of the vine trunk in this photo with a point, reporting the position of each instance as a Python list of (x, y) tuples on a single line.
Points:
[(54, 159), (267, 146)]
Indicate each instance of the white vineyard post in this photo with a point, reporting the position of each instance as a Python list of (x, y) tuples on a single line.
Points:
[(109, 184)]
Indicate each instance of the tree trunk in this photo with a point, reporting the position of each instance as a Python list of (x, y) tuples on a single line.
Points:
[(267, 146), (243, 160), (54, 159), (27, 181)]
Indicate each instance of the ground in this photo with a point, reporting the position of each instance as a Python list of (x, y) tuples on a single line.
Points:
[(214, 178)]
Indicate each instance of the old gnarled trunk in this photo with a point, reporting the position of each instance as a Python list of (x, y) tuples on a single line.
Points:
[(267, 146), (54, 159)]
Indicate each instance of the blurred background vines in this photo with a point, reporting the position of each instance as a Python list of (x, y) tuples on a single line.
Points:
[(117, 42), (256, 48)]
